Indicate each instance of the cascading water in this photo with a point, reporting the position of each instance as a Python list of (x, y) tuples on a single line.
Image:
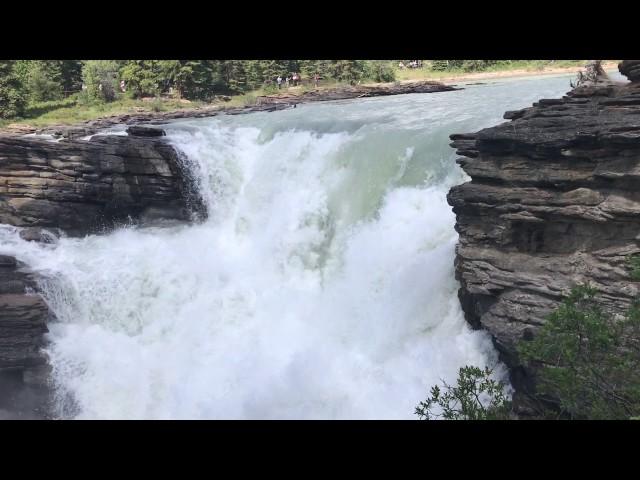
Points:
[(321, 285)]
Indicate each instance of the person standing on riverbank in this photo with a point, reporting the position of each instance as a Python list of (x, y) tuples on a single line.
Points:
[(316, 78), (279, 80)]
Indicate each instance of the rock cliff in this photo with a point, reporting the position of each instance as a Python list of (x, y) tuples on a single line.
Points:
[(553, 201), (84, 186)]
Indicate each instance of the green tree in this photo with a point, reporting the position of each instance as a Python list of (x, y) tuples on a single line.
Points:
[(142, 77), (476, 396), (44, 81), (588, 361), (234, 76), (101, 79), (12, 91), (70, 75)]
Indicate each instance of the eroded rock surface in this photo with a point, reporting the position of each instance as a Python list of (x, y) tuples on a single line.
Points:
[(84, 186), (554, 201)]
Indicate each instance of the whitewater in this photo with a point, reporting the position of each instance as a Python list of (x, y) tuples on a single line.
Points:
[(320, 286)]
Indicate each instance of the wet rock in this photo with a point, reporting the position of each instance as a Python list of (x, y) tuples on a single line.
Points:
[(141, 131), (42, 235), (24, 386)]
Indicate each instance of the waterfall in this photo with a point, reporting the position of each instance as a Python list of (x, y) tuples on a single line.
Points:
[(321, 284)]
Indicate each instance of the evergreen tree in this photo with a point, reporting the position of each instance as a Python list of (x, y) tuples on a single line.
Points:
[(12, 91), (45, 80), (142, 77)]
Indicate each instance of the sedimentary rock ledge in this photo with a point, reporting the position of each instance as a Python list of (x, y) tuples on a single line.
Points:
[(84, 186), (554, 201)]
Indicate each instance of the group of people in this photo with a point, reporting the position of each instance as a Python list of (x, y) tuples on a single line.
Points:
[(294, 79), (411, 64)]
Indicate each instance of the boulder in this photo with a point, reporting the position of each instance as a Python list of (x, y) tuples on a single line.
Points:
[(630, 69), (141, 131)]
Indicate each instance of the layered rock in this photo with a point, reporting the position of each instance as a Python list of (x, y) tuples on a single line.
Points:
[(554, 201), (84, 186), (78, 187), (23, 323), (23, 316), (630, 69)]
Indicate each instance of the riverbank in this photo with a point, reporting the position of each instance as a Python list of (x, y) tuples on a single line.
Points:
[(262, 103), (84, 120)]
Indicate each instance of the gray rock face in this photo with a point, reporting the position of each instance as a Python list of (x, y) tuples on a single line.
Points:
[(82, 187), (554, 201), (23, 316), (141, 131), (630, 69)]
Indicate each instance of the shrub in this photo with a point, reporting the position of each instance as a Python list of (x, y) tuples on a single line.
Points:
[(380, 71), (270, 89), (475, 397), (157, 105), (588, 361)]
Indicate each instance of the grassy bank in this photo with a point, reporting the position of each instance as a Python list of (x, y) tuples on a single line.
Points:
[(69, 111)]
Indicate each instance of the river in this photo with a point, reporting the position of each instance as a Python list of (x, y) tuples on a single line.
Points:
[(321, 286)]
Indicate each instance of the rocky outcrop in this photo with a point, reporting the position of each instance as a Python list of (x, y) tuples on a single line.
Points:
[(73, 187), (23, 316), (554, 201), (84, 186), (141, 131), (630, 69), (24, 392)]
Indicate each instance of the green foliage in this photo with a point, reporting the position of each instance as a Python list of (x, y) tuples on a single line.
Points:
[(142, 77), (101, 79), (465, 65), (12, 92), (634, 266), (270, 89), (475, 397), (35, 109), (44, 81), (380, 71), (588, 361), (157, 105)]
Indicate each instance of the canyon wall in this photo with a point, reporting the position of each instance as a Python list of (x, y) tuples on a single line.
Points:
[(553, 201)]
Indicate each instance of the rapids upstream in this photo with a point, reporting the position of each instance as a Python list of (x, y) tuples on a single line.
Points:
[(321, 286)]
